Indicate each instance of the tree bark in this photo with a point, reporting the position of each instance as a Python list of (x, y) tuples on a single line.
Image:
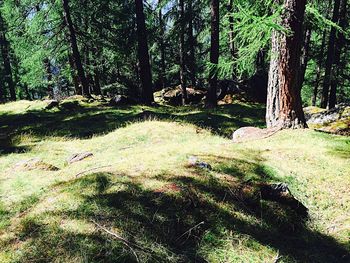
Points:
[(191, 46), (273, 95), (330, 57), (143, 55), (291, 111), (182, 51), (5, 52), (214, 54), (339, 45), (75, 50)]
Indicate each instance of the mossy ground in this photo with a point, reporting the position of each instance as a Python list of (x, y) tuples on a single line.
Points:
[(138, 185)]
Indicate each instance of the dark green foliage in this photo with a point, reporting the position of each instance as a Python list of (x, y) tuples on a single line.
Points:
[(107, 40)]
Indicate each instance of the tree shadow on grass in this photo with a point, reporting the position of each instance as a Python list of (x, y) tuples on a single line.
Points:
[(85, 122), (183, 221)]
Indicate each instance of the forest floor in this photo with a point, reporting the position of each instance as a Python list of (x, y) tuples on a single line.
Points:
[(138, 185)]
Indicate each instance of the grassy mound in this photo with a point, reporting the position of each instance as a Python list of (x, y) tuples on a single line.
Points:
[(139, 186)]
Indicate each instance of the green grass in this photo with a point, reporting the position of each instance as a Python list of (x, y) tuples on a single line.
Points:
[(138, 185)]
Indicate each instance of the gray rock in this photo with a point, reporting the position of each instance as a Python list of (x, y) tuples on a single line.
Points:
[(121, 100), (173, 96), (246, 134), (193, 161), (77, 157), (341, 111)]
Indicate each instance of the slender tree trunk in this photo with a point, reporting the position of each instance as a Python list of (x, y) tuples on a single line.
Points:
[(77, 87), (162, 49), (214, 54), (97, 84), (182, 51), (191, 45), (47, 65), (273, 95), (231, 36), (339, 45), (26, 89), (291, 111), (143, 55), (75, 50), (304, 60), (2, 89), (318, 72), (5, 52), (330, 57), (96, 72)]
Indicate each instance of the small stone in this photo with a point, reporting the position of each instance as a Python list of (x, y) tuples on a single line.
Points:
[(77, 157), (121, 100), (193, 161)]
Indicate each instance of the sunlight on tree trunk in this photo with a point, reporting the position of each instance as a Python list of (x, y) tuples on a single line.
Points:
[(291, 110)]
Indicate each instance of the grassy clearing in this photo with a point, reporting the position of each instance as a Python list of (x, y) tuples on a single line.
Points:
[(138, 185)]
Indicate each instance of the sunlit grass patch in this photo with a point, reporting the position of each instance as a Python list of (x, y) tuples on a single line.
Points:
[(139, 184)]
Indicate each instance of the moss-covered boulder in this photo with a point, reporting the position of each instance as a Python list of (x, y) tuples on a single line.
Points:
[(336, 120)]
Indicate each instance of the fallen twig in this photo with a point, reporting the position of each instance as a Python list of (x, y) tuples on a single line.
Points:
[(91, 170), (123, 240), (190, 230)]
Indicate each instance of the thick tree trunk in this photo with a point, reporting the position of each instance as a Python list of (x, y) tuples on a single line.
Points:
[(339, 45), (273, 95), (191, 46), (291, 111), (214, 54), (182, 51), (75, 50), (5, 52), (162, 49), (143, 55), (330, 57)]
